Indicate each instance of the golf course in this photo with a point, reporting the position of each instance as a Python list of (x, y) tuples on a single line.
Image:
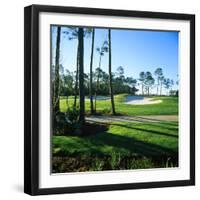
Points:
[(114, 99), (140, 136)]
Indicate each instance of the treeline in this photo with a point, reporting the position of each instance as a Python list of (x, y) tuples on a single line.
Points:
[(149, 84), (121, 84)]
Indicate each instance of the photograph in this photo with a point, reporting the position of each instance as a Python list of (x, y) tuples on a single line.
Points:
[(109, 99), (114, 99)]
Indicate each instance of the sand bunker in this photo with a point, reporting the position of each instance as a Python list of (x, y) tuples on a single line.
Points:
[(134, 100), (139, 100)]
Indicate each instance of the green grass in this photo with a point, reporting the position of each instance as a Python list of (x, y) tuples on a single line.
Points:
[(123, 146), (140, 139), (168, 106)]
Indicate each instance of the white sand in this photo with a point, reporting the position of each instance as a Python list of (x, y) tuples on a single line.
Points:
[(139, 100), (134, 100)]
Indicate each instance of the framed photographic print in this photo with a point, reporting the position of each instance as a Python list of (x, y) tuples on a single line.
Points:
[(109, 99)]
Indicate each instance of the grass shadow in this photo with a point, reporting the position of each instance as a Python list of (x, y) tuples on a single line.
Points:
[(146, 130), (96, 144), (168, 127)]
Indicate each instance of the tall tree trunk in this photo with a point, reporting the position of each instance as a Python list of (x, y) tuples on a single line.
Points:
[(91, 78), (142, 89), (160, 88), (77, 75), (157, 85), (110, 74), (81, 77), (97, 85), (57, 78)]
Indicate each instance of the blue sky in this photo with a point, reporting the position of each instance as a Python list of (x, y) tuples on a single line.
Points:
[(134, 50)]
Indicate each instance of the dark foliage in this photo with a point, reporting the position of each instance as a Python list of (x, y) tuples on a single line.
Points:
[(80, 163), (67, 122)]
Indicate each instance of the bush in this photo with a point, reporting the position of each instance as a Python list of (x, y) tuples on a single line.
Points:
[(72, 116), (67, 123), (72, 124)]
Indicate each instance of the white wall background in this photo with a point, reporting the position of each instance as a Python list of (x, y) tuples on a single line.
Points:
[(11, 99)]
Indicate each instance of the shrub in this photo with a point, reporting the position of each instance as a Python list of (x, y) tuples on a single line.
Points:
[(72, 117), (67, 123), (72, 124)]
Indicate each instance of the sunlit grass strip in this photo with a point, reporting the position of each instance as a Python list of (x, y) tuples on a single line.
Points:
[(168, 106)]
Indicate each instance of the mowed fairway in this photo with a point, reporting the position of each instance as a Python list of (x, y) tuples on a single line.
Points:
[(124, 145), (168, 106)]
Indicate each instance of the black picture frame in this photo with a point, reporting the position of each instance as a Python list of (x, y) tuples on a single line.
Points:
[(31, 98)]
